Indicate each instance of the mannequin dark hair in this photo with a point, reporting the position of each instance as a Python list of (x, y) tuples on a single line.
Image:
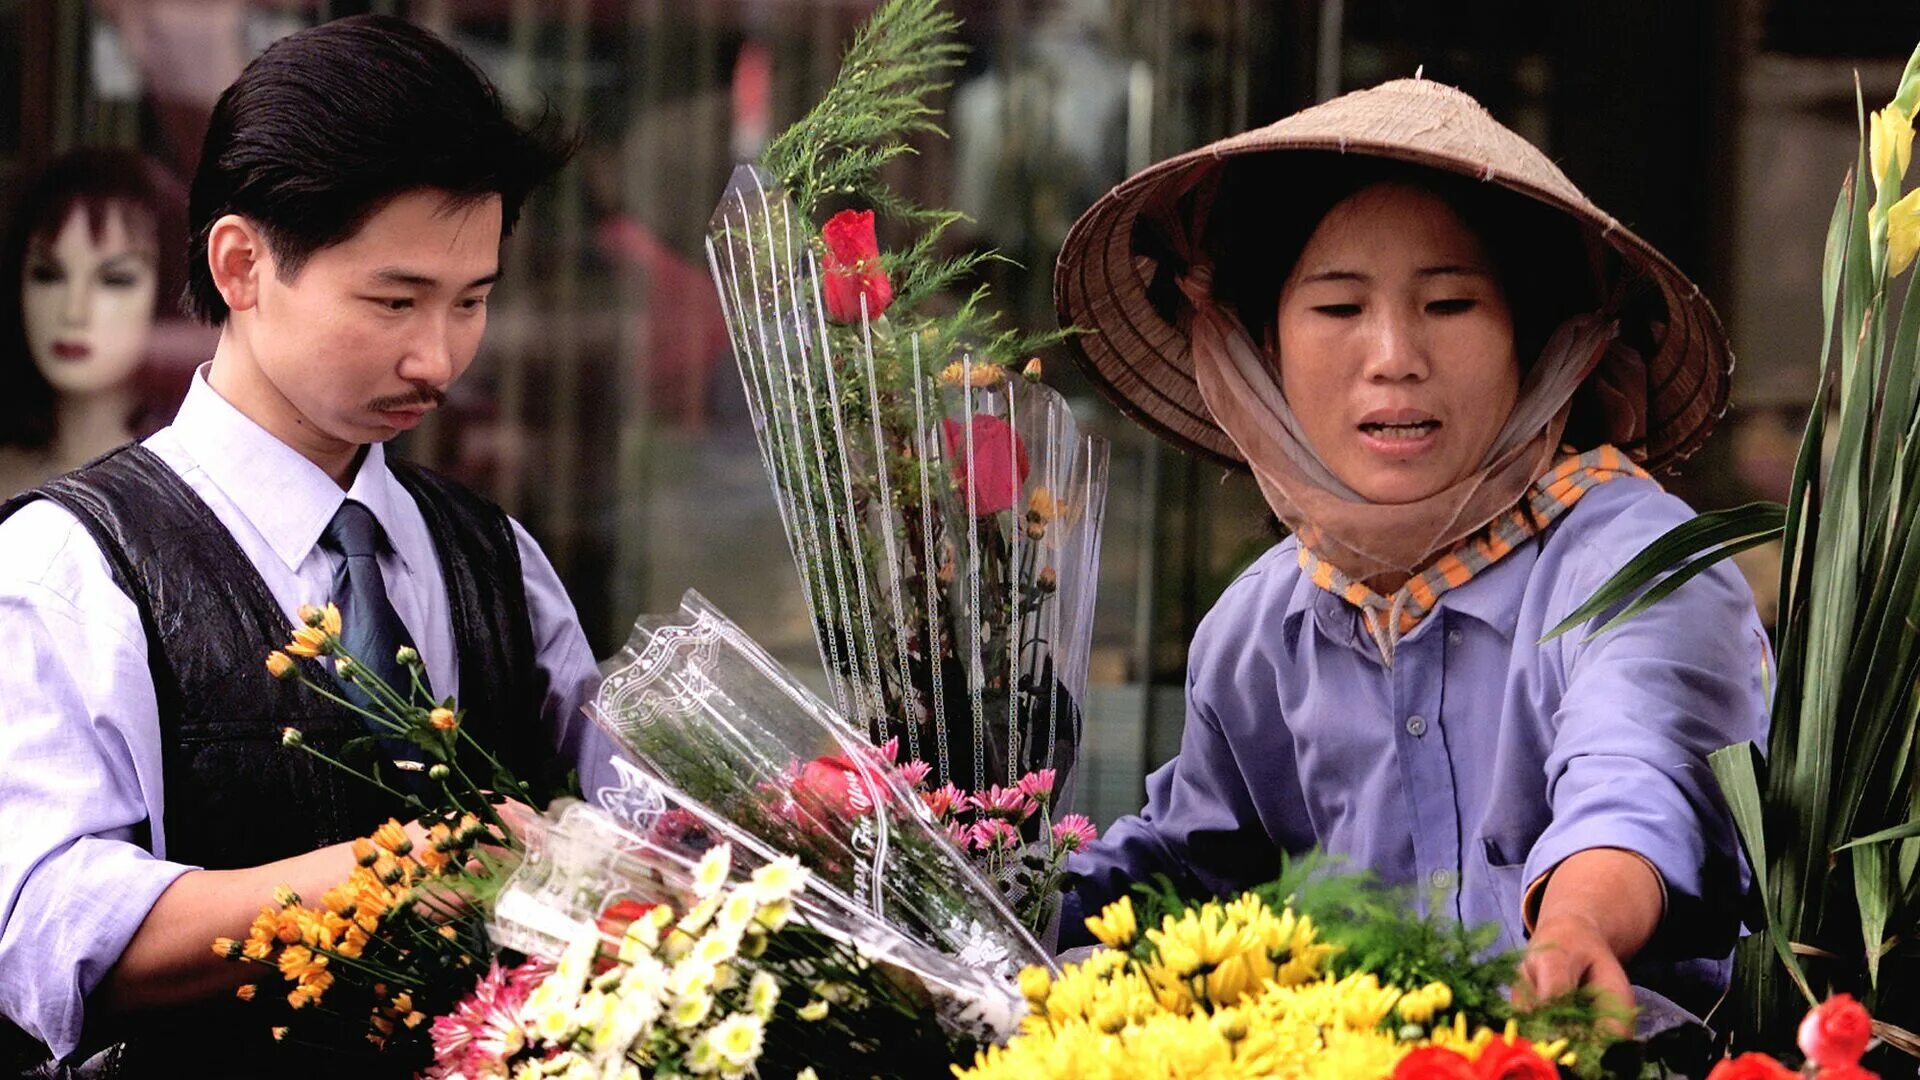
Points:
[(99, 182), (328, 125)]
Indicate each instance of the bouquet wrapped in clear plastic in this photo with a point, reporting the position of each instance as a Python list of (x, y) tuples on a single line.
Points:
[(747, 752), (943, 509)]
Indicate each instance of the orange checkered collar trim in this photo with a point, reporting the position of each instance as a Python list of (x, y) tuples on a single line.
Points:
[(1389, 618)]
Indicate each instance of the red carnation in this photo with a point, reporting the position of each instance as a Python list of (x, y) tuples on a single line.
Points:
[(999, 465), (1434, 1063), (1751, 1067), (852, 268), (1836, 1033)]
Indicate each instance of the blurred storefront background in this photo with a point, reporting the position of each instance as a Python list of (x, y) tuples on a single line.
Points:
[(605, 410)]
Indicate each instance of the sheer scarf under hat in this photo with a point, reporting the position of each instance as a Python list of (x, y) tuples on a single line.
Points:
[(1369, 540)]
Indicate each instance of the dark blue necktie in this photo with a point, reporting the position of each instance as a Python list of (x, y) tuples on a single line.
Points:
[(369, 627)]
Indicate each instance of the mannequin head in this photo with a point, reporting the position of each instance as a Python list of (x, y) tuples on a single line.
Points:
[(91, 256)]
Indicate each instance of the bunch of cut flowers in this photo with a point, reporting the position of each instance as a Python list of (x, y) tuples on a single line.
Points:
[(490, 940), (376, 956), (718, 972), (1254, 988)]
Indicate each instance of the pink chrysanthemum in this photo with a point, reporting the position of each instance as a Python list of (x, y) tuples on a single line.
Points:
[(1003, 802), (1036, 785), (912, 773), (482, 1033), (1074, 832), (994, 834)]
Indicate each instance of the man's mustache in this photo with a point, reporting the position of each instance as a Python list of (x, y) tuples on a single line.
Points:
[(426, 395)]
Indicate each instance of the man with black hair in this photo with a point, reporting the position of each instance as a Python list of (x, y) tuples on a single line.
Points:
[(347, 219)]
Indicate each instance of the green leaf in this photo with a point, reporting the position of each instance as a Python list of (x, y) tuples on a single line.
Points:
[(1717, 534), (1738, 772), (1898, 832), (1870, 889)]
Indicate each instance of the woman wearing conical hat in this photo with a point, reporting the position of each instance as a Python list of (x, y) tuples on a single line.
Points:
[(1453, 377)]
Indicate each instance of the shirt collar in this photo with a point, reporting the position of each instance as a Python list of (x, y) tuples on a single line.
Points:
[(1492, 598), (284, 496)]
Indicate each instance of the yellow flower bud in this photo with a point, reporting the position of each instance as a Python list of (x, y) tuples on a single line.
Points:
[(1889, 143), (280, 665), (310, 615), (308, 642), (290, 736), (408, 656), (1032, 370), (443, 719), (1903, 233)]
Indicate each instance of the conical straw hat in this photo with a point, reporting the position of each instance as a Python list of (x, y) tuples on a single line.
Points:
[(1142, 360)]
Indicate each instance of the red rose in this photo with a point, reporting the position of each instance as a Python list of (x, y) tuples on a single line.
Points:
[(828, 789), (1836, 1033), (1434, 1063), (999, 463), (613, 923), (1751, 1067), (851, 268), (1516, 1060)]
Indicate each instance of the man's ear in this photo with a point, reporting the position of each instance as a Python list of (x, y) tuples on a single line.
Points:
[(237, 257)]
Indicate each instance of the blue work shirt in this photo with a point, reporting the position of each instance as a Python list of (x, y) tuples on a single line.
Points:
[(1481, 759)]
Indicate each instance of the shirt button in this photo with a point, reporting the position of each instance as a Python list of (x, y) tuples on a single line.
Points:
[(1442, 879), (1453, 637), (1416, 725)]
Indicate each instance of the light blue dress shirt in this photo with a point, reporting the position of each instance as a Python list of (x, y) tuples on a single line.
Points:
[(1481, 759), (79, 729)]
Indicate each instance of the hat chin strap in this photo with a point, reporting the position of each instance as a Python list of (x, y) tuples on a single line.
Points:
[(1369, 540)]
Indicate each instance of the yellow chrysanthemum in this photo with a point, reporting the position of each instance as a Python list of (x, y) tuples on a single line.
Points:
[(1115, 926), (443, 719)]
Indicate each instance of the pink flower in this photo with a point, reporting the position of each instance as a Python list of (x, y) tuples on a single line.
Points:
[(994, 834), (889, 751), (483, 1032), (998, 468), (1002, 802), (913, 772), (945, 800), (851, 269), (1836, 1033), (1036, 785), (1074, 832), (961, 835)]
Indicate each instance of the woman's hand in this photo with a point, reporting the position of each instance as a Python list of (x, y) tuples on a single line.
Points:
[(1570, 951), (1600, 908)]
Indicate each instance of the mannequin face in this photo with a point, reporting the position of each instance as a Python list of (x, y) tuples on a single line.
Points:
[(1396, 345), (88, 301)]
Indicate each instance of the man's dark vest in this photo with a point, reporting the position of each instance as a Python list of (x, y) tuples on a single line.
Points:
[(235, 796)]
